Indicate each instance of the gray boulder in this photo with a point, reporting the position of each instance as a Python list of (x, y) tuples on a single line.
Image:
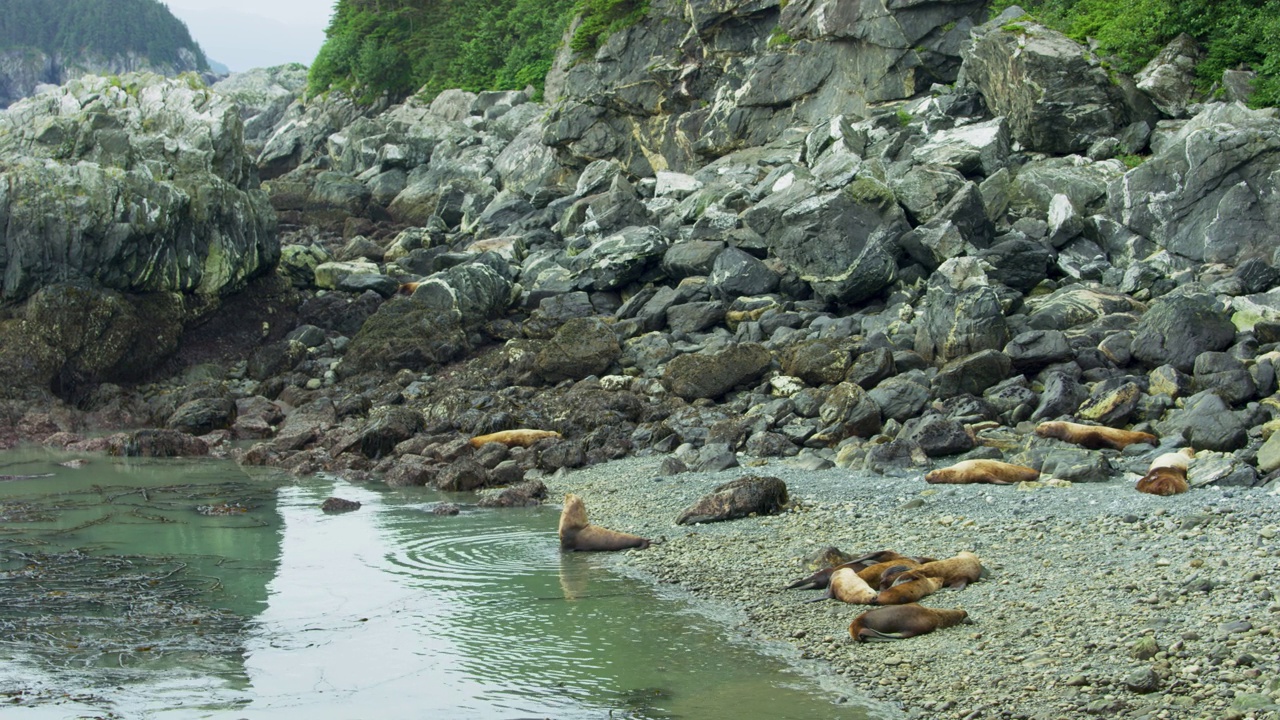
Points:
[(619, 259), (711, 375), (1169, 79), (263, 95), (1053, 91), (749, 495), (1178, 328), (1204, 195), (581, 347), (962, 314), (737, 273), (1207, 423)]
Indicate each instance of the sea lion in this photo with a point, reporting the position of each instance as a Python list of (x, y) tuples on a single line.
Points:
[(1094, 437), (956, 572), (512, 438), (900, 622), (821, 578), (874, 574), (982, 471), (847, 587), (578, 534), (908, 591), (1167, 474)]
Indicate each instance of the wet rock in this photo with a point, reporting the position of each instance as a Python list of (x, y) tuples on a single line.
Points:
[(403, 334), (388, 428), (411, 471), (526, 494), (749, 495), (203, 416), (163, 444), (1208, 423), (463, 475), (1110, 403), (1225, 375), (276, 358), (446, 509), (711, 375), (339, 505), (581, 347)]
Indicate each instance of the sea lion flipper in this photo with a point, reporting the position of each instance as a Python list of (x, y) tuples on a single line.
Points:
[(867, 634)]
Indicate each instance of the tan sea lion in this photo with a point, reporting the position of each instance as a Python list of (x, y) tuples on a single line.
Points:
[(578, 534), (1094, 437), (900, 622), (908, 591), (955, 572), (982, 471), (1167, 474), (513, 438), (847, 587)]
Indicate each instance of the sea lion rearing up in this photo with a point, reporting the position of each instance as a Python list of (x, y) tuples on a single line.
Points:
[(900, 622), (1167, 474), (1094, 437), (982, 471), (956, 572), (578, 534)]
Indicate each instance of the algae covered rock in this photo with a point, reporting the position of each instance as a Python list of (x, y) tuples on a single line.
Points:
[(749, 495)]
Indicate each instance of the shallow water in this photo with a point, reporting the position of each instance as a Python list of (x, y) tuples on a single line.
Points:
[(118, 598)]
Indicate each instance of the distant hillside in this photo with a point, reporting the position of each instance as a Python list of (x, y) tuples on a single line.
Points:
[(48, 41)]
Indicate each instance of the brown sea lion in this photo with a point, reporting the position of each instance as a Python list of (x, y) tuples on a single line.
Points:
[(874, 574), (1167, 474), (578, 534), (1094, 437), (982, 471), (908, 591), (955, 572), (847, 587), (900, 622), (513, 438), (821, 578)]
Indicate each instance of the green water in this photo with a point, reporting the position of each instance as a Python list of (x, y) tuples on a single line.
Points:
[(119, 599)]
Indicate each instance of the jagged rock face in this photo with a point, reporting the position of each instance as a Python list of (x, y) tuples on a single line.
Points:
[(137, 185), (702, 79), (22, 71), (1054, 93), (264, 95), (1210, 193)]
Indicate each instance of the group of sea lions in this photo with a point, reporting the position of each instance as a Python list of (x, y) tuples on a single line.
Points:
[(896, 582), (1167, 474)]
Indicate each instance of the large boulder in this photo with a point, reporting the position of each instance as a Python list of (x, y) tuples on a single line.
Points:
[(581, 347), (962, 313), (137, 184), (1053, 91), (711, 375), (1209, 193), (1178, 328), (749, 495)]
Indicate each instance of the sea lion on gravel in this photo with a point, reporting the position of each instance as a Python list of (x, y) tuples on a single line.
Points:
[(847, 587), (982, 471), (820, 579), (578, 534), (513, 438), (900, 622), (908, 591), (874, 574), (1094, 437), (1167, 474), (956, 572)]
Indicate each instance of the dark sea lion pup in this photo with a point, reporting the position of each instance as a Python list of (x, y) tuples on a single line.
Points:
[(900, 622), (578, 534), (1094, 437), (820, 579)]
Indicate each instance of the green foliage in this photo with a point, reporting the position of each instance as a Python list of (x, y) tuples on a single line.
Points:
[(779, 37), (904, 117), (398, 47), (869, 191), (1234, 33), (1131, 161), (106, 28), (602, 18)]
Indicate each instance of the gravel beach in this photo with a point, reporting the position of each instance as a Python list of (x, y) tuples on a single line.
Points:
[(1102, 602)]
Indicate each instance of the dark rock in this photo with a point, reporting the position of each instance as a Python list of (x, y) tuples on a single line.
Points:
[(403, 334), (1225, 375), (462, 475), (740, 274), (694, 317), (1017, 262), (694, 257), (1034, 350), (672, 466), (388, 428), (163, 444), (1208, 423), (962, 315), (770, 444), (871, 368), (715, 457), (817, 362), (851, 410), (411, 471), (360, 282), (447, 509), (1110, 403), (901, 398), (617, 260), (581, 347), (203, 416), (972, 374), (1178, 328), (937, 436), (526, 494), (702, 375), (1061, 396), (897, 457), (1142, 681), (339, 505), (749, 495)]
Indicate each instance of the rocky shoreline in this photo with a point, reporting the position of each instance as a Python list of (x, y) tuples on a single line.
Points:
[(1102, 602)]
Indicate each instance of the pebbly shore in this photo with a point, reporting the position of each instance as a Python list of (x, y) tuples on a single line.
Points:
[(1102, 602)]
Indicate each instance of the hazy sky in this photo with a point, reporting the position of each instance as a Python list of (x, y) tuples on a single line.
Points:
[(243, 34)]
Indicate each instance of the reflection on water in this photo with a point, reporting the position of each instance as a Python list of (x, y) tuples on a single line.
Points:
[(119, 597)]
